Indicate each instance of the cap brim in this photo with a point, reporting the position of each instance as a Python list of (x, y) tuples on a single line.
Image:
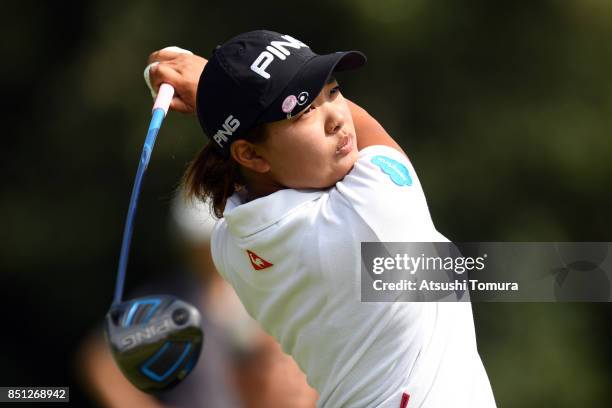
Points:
[(308, 82)]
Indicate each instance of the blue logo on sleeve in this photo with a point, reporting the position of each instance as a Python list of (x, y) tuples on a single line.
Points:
[(396, 170)]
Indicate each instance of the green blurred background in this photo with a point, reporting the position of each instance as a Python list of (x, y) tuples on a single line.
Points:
[(504, 107)]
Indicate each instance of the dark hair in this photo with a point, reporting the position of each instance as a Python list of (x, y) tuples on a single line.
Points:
[(211, 176)]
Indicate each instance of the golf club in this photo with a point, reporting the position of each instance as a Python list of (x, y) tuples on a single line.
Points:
[(155, 340)]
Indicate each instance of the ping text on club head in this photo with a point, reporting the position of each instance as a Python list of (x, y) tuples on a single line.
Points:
[(142, 335)]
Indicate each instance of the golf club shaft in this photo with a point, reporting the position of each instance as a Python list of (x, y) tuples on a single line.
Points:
[(160, 108)]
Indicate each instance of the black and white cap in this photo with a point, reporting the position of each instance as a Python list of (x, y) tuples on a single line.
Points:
[(259, 77)]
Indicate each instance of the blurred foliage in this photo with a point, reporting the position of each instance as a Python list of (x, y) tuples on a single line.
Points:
[(505, 108)]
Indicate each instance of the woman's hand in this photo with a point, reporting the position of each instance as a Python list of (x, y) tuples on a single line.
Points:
[(180, 70)]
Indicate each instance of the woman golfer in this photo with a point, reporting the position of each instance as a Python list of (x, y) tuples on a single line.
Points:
[(300, 176)]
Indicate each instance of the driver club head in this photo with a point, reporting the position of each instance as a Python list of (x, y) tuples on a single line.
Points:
[(155, 340)]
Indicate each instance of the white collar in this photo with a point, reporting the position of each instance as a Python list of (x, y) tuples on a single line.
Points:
[(244, 219)]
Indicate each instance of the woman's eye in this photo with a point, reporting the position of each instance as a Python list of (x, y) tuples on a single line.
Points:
[(335, 90)]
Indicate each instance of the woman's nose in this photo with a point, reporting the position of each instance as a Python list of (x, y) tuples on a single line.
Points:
[(334, 120)]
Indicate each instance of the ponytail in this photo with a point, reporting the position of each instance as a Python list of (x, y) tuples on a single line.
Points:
[(212, 177)]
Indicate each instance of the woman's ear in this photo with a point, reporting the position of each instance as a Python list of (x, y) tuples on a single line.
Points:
[(245, 154)]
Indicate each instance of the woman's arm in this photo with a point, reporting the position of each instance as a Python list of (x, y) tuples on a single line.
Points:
[(369, 131), (105, 382)]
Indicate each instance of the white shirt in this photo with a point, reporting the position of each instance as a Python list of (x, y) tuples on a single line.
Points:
[(301, 282)]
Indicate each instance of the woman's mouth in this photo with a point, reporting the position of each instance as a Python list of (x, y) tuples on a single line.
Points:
[(345, 145)]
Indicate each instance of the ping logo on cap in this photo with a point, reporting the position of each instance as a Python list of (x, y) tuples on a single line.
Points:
[(276, 48), (229, 127)]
